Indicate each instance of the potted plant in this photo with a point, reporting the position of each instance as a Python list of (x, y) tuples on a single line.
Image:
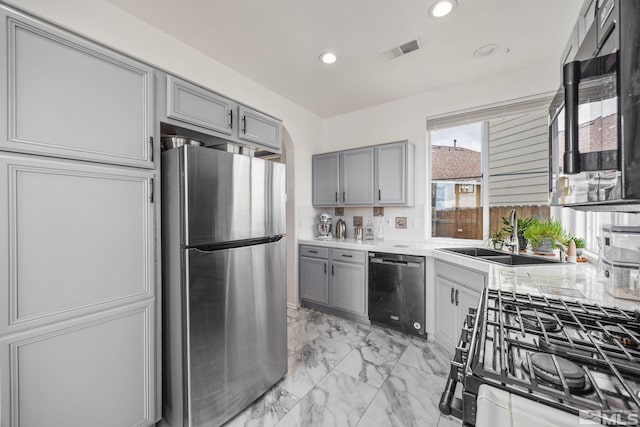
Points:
[(523, 225), (496, 238), (543, 235)]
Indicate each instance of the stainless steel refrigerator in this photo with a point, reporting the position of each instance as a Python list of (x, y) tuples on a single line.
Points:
[(224, 283)]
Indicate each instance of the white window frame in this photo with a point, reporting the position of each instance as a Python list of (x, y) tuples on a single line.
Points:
[(468, 116)]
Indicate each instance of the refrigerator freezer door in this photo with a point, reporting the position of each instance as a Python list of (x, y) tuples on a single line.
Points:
[(236, 327), (230, 197)]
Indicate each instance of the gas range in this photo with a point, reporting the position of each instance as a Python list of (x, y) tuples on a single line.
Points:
[(581, 358)]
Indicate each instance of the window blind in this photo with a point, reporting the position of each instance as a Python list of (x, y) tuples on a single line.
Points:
[(489, 112)]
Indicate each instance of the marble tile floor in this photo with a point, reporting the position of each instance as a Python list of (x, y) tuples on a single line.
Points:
[(344, 373)]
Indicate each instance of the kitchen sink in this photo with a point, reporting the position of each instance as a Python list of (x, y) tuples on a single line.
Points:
[(501, 257)]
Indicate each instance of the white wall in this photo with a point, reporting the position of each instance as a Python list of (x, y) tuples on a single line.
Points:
[(105, 23), (406, 119)]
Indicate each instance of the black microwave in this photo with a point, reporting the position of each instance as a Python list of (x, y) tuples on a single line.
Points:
[(594, 119)]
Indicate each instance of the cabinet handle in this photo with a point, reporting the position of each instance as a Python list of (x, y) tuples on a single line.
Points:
[(244, 124), (379, 194), (347, 256), (457, 297), (344, 196), (336, 196), (151, 142), (453, 291), (313, 252), (325, 268), (230, 118), (151, 190), (333, 270)]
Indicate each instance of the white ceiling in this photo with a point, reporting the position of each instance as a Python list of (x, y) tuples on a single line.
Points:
[(277, 43)]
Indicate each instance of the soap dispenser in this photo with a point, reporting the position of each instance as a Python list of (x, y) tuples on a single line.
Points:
[(368, 231)]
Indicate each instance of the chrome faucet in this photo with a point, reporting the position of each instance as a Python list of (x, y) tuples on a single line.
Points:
[(563, 250), (513, 221)]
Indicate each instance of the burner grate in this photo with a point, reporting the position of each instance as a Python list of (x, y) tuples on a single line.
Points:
[(603, 343)]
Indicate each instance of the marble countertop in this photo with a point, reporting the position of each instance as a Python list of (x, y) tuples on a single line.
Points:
[(568, 281)]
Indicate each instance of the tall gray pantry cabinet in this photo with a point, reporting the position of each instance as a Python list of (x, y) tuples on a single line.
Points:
[(78, 232)]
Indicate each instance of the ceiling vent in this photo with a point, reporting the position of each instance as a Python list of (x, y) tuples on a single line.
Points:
[(403, 49)]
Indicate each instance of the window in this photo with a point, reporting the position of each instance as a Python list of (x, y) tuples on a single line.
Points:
[(456, 182), (485, 163)]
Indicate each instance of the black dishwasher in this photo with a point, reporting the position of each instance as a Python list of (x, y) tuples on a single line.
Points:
[(396, 292)]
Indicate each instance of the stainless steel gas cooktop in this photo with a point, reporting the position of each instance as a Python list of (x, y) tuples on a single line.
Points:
[(577, 357)]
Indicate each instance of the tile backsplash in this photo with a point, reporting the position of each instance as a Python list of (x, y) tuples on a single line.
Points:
[(411, 216)]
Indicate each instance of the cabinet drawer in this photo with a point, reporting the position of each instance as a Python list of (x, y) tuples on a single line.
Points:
[(469, 279), (314, 251), (348, 256)]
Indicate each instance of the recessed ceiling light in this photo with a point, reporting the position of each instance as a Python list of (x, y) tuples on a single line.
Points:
[(442, 8), (328, 57), (486, 50)]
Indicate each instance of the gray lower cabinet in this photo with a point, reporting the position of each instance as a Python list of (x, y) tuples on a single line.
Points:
[(334, 280), (394, 171), (314, 280), (326, 171), (91, 371), (457, 290), (259, 128), (356, 177), (194, 104), (64, 96), (347, 290)]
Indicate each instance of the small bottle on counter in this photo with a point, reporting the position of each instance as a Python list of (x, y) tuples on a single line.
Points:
[(571, 252), (380, 229), (368, 231)]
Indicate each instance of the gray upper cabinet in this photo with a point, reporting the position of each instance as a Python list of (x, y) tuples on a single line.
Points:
[(326, 179), (64, 96), (394, 174), (193, 104), (195, 108), (356, 177), (259, 128), (381, 175)]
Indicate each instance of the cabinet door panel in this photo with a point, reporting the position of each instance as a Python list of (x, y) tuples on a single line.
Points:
[(391, 163), (348, 287), (314, 280), (67, 97), (95, 371), (447, 331), (356, 177), (259, 128), (192, 104), (466, 299), (325, 179), (75, 237)]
